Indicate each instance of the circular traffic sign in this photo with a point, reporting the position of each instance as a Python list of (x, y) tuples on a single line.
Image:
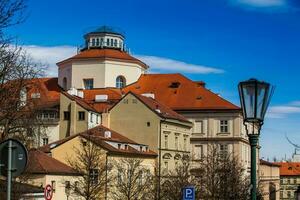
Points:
[(19, 157), (48, 192)]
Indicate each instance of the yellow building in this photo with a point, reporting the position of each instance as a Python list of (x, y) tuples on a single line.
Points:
[(113, 146), (75, 114), (144, 119), (43, 170), (269, 180)]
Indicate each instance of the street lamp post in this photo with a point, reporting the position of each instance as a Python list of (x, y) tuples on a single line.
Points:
[(255, 97)]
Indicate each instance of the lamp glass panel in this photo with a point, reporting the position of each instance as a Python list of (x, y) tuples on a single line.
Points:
[(249, 100), (261, 100)]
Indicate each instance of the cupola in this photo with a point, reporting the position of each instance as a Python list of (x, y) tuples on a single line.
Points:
[(104, 37)]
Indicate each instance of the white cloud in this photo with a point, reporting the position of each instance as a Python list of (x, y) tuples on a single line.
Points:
[(284, 110), (163, 65), (52, 55), (263, 5)]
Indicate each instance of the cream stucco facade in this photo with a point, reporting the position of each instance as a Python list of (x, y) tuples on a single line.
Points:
[(224, 129), (74, 124), (103, 73), (66, 152), (58, 184), (169, 138), (269, 180)]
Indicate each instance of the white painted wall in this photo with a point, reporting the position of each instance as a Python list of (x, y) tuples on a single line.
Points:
[(104, 73)]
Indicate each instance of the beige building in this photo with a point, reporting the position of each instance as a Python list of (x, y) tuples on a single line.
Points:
[(289, 179), (269, 180), (75, 114), (143, 119), (215, 120), (43, 170), (113, 146), (103, 62)]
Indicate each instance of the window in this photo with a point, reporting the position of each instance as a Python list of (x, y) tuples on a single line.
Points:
[(120, 82), (81, 115), (115, 43), (112, 42), (101, 42), (107, 42), (119, 146), (166, 141), (223, 149), (148, 124), (66, 115), (97, 42), (166, 165), (198, 127), (198, 152), (288, 181), (134, 101), (281, 194), (176, 142), (185, 143), (94, 176), (289, 194), (224, 126), (91, 120), (76, 186), (97, 119), (53, 185), (88, 84), (45, 141)]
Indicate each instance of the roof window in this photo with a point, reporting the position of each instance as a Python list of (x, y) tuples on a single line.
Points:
[(174, 85)]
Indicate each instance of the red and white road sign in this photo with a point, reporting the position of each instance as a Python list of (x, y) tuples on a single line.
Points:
[(48, 192)]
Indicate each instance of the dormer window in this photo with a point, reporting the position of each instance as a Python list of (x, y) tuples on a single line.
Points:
[(174, 85), (120, 82)]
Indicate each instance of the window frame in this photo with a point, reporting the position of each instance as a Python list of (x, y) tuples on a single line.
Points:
[(224, 127), (88, 85), (81, 115), (67, 115)]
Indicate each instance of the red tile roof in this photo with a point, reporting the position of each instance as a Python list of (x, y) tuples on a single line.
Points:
[(80, 101), (40, 163), (47, 88), (179, 93), (289, 168), (159, 108), (264, 162), (97, 135), (108, 54)]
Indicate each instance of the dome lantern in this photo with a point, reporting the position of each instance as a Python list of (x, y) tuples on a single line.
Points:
[(105, 37)]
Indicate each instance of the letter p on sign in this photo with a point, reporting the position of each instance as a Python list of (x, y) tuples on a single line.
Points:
[(189, 193)]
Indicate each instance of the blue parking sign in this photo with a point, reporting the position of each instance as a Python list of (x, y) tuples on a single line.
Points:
[(189, 193)]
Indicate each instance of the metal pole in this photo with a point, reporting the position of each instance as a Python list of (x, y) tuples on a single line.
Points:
[(253, 143), (9, 170)]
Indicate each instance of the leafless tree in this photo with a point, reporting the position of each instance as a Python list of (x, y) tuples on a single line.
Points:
[(132, 180), (220, 176), (90, 162), (18, 116), (175, 180)]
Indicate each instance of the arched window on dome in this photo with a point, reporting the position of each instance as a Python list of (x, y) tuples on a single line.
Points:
[(120, 82), (65, 83)]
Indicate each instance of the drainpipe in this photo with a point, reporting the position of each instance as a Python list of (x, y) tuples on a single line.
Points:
[(106, 174), (159, 159)]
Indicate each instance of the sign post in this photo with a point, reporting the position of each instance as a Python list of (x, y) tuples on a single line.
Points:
[(13, 160), (189, 193)]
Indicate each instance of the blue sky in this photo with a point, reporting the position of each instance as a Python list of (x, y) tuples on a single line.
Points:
[(218, 41)]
